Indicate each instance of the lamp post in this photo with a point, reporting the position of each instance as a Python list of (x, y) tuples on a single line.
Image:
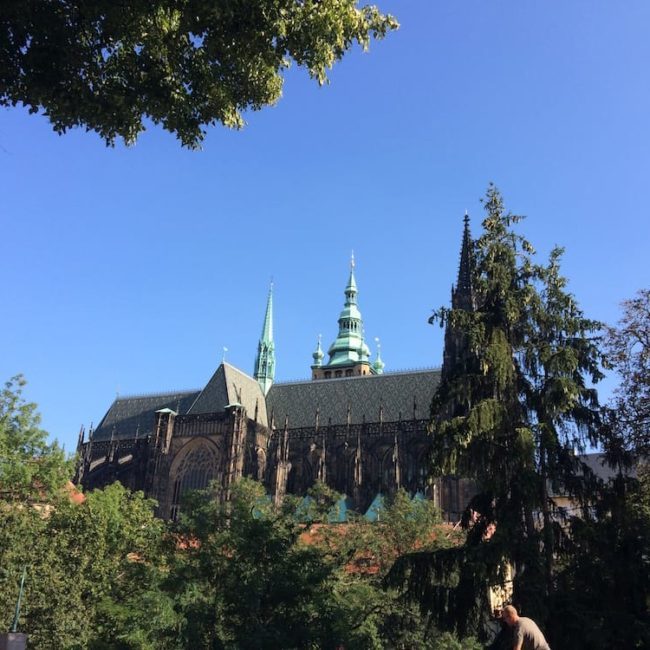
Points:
[(15, 640)]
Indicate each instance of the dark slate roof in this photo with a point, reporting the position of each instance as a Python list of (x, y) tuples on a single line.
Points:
[(129, 416), (230, 385), (397, 392), (598, 465), (595, 462)]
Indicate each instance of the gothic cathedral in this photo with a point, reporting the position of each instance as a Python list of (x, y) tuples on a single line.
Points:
[(357, 428)]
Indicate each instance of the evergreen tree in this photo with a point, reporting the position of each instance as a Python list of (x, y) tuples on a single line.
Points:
[(560, 361), (509, 413)]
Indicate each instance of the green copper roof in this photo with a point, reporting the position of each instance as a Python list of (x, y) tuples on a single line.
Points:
[(352, 283), (349, 347), (378, 363), (318, 354), (267, 329), (265, 359)]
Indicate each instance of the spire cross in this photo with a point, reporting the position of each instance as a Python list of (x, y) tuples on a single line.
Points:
[(352, 263)]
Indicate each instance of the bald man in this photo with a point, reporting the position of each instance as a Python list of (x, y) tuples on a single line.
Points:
[(527, 636)]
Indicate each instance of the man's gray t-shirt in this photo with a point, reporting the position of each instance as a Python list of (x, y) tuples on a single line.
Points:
[(527, 632)]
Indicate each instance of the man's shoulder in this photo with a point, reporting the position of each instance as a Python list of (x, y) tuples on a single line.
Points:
[(529, 631)]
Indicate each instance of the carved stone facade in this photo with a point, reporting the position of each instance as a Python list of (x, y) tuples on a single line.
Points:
[(352, 452), (173, 453)]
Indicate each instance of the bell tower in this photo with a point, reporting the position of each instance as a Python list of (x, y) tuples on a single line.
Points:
[(349, 355)]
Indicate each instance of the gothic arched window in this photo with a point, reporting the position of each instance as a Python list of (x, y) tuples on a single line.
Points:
[(197, 468)]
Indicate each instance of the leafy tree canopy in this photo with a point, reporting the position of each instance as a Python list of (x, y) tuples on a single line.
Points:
[(93, 572), (30, 467), (602, 595), (105, 573), (628, 352), (242, 578), (253, 574), (604, 579), (184, 64)]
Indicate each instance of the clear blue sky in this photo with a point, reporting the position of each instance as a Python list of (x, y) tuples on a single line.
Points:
[(131, 268)]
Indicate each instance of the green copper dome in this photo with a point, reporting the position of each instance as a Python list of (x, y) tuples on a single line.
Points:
[(378, 363), (318, 354), (349, 347)]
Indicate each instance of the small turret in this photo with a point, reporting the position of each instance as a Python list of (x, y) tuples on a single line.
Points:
[(378, 364), (318, 355)]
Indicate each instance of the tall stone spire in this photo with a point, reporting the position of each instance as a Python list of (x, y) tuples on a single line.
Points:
[(265, 359), (348, 355), (462, 297)]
